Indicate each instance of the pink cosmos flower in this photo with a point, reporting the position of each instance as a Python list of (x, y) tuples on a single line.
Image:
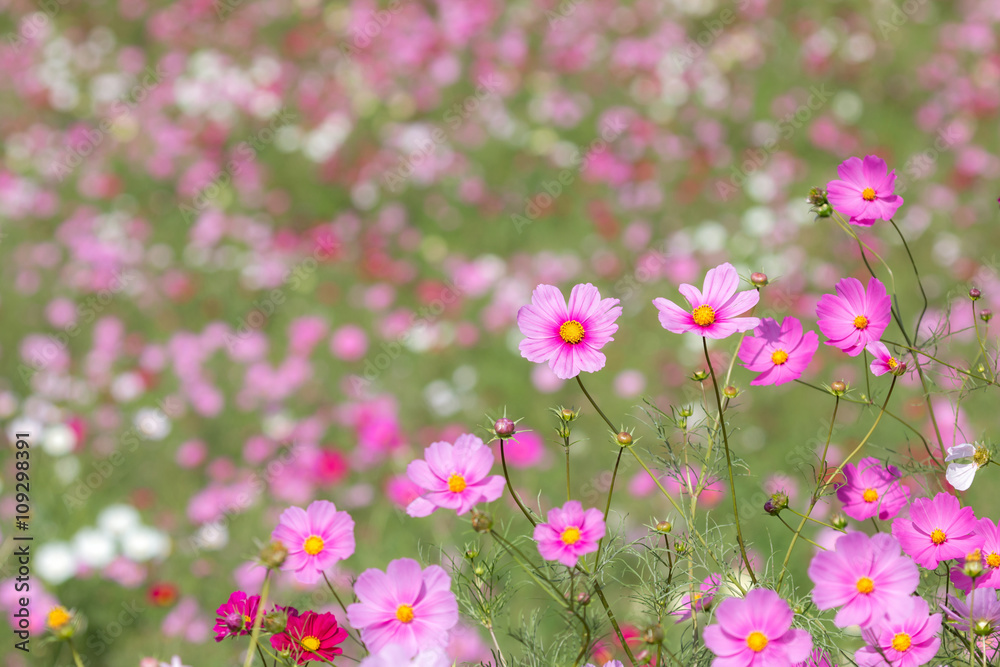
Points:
[(884, 362), (872, 488), (982, 613), (702, 599), (404, 605), (755, 631), (854, 317), (569, 533), (864, 576), (567, 336), (937, 530), (311, 636), (714, 312), (908, 637), (316, 538), (779, 353), (395, 655), (865, 193), (454, 476), (989, 532), (236, 616)]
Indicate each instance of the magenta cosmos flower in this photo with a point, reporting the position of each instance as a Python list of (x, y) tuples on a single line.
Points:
[(989, 533), (865, 191), (872, 488), (854, 317), (404, 605), (884, 362), (714, 311), (569, 533), (567, 335), (907, 637), (937, 530), (755, 631), (316, 538), (236, 616), (311, 636), (701, 600), (864, 576), (779, 353), (455, 476)]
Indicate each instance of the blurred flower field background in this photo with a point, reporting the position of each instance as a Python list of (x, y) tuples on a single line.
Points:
[(261, 252)]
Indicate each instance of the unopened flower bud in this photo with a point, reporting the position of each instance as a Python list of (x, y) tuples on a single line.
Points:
[(817, 196), (60, 622), (664, 527), (759, 279), (699, 376), (975, 294), (730, 391), (973, 564), (583, 598), (624, 439), (504, 428), (568, 415), (471, 554), (653, 634), (274, 622), (274, 555), (778, 502), (479, 570), (482, 522), (686, 411), (896, 367), (680, 547), (986, 314), (838, 521), (838, 387)]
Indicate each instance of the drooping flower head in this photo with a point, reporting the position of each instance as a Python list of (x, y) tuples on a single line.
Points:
[(854, 317), (779, 353), (907, 637), (311, 636), (714, 311), (701, 600), (865, 192), (864, 576), (569, 533), (454, 476), (567, 335), (756, 630), (404, 605), (982, 614), (961, 474), (938, 529), (236, 616), (883, 361), (988, 532), (316, 538), (872, 488)]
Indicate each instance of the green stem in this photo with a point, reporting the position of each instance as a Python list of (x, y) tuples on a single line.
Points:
[(510, 487), (920, 283), (729, 464), (76, 656), (607, 507), (943, 363), (255, 633), (596, 407), (357, 639)]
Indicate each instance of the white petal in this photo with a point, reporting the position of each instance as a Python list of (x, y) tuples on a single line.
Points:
[(961, 475), (960, 452)]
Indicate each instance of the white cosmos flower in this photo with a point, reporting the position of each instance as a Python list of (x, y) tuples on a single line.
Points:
[(960, 475)]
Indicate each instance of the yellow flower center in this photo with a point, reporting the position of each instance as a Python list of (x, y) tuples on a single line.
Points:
[(779, 357), (938, 536), (868, 194), (404, 613), (247, 621), (313, 545), (58, 617), (757, 641), (892, 362), (571, 332), (865, 585), (870, 495), (703, 316), (456, 483), (901, 642), (993, 560), (860, 322), (571, 535), (310, 643)]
